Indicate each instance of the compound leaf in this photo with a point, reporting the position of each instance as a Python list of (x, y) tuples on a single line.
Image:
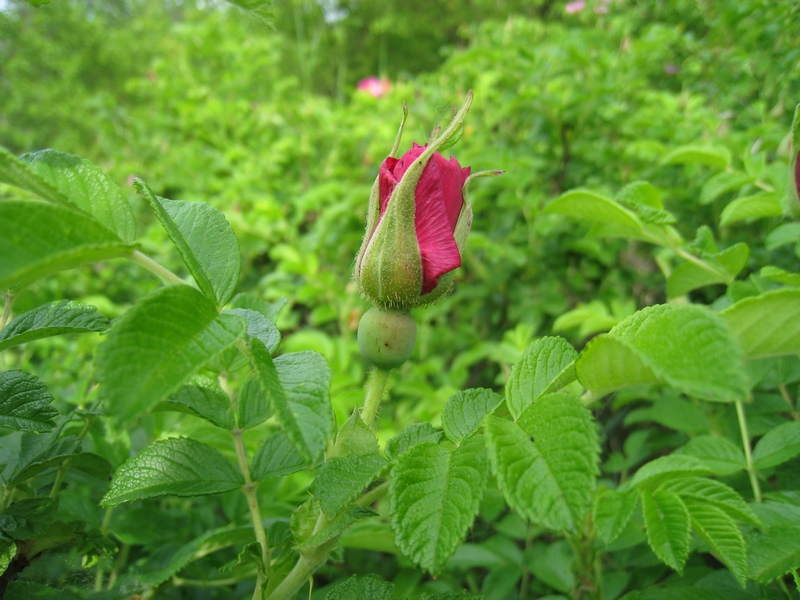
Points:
[(668, 528)]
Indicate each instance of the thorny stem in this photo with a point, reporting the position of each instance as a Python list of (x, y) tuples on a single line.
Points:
[(148, 263), (375, 386), (748, 455)]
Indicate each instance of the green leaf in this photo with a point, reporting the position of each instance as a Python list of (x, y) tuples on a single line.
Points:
[(611, 512), (774, 551), (777, 446), (268, 309), (766, 325), (711, 156), (463, 412), (158, 344), (410, 437), (204, 239), (25, 402), (176, 466), (686, 347), (547, 462), (57, 318), (37, 239), (275, 458), (722, 183), (8, 547), (262, 11), (342, 478), (88, 188), (750, 208), (34, 453), (202, 397), (664, 468), (546, 364), (782, 235), (364, 587), (434, 496), (252, 404), (297, 385), (721, 533), (346, 519), (719, 455), (19, 173), (258, 326), (689, 276), (584, 204), (645, 200), (701, 489), (780, 275), (668, 528), (27, 519)]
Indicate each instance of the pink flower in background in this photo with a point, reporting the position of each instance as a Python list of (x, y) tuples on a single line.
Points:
[(671, 69), (573, 7), (374, 86)]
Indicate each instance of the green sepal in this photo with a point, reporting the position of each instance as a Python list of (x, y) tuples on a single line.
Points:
[(792, 206)]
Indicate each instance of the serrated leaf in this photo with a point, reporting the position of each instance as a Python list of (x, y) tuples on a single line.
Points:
[(777, 446), (546, 361), (342, 478), (547, 462), (584, 204), (721, 533), (645, 200), (434, 496), (158, 344), (611, 512), (464, 412), (364, 587), (275, 458), (176, 466), (774, 551), (297, 386), (701, 489), (19, 173), (37, 239), (766, 325), (343, 521), (668, 527), (686, 347), (721, 183), (252, 404), (86, 187), (25, 402), (202, 397), (57, 318), (37, 453), (410, 437), (663, 468), (204, 239), (26, 519), (689, 276), (719, 455), (258, 326), (749, 208), (712, 156)]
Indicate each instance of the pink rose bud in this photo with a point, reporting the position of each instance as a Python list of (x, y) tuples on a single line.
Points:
[(417, 224)]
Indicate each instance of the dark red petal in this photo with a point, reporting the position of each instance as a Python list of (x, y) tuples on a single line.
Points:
[(434, 233), (405, 161), (451, 180), (386, 182)]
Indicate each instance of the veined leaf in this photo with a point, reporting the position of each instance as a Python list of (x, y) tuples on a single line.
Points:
[(766, 325), (463, 412), (158, 344), (19, 173), (37, 239), (774, 551), (688, 276), (411, 436), (204, 398), (712, 156), (259, 326), (719, 455), (749, 208), (33, 453), (342, 478), (176, 466), (365, 587), (86, 187), (584, 204), (686, 347), (253, 405), (204, 239), (721, 533), (435, 494), (666, 467), (346, 519), (275, 458), (25, 402), (547, 462), (710, 491), (57, 318), (721, 183), (668, 528), (262, 11), (547, 361), (611, 511), (777, 446)]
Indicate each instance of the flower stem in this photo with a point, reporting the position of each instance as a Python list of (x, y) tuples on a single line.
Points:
[(148, 263), (748, 455), (375, 386)]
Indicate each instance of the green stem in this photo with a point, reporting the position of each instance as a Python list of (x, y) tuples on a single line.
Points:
[(302, 570), (122, 559), (371, 497), (748, 455), (375, 386), (62, 470), (98, 576), (148, 263)]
